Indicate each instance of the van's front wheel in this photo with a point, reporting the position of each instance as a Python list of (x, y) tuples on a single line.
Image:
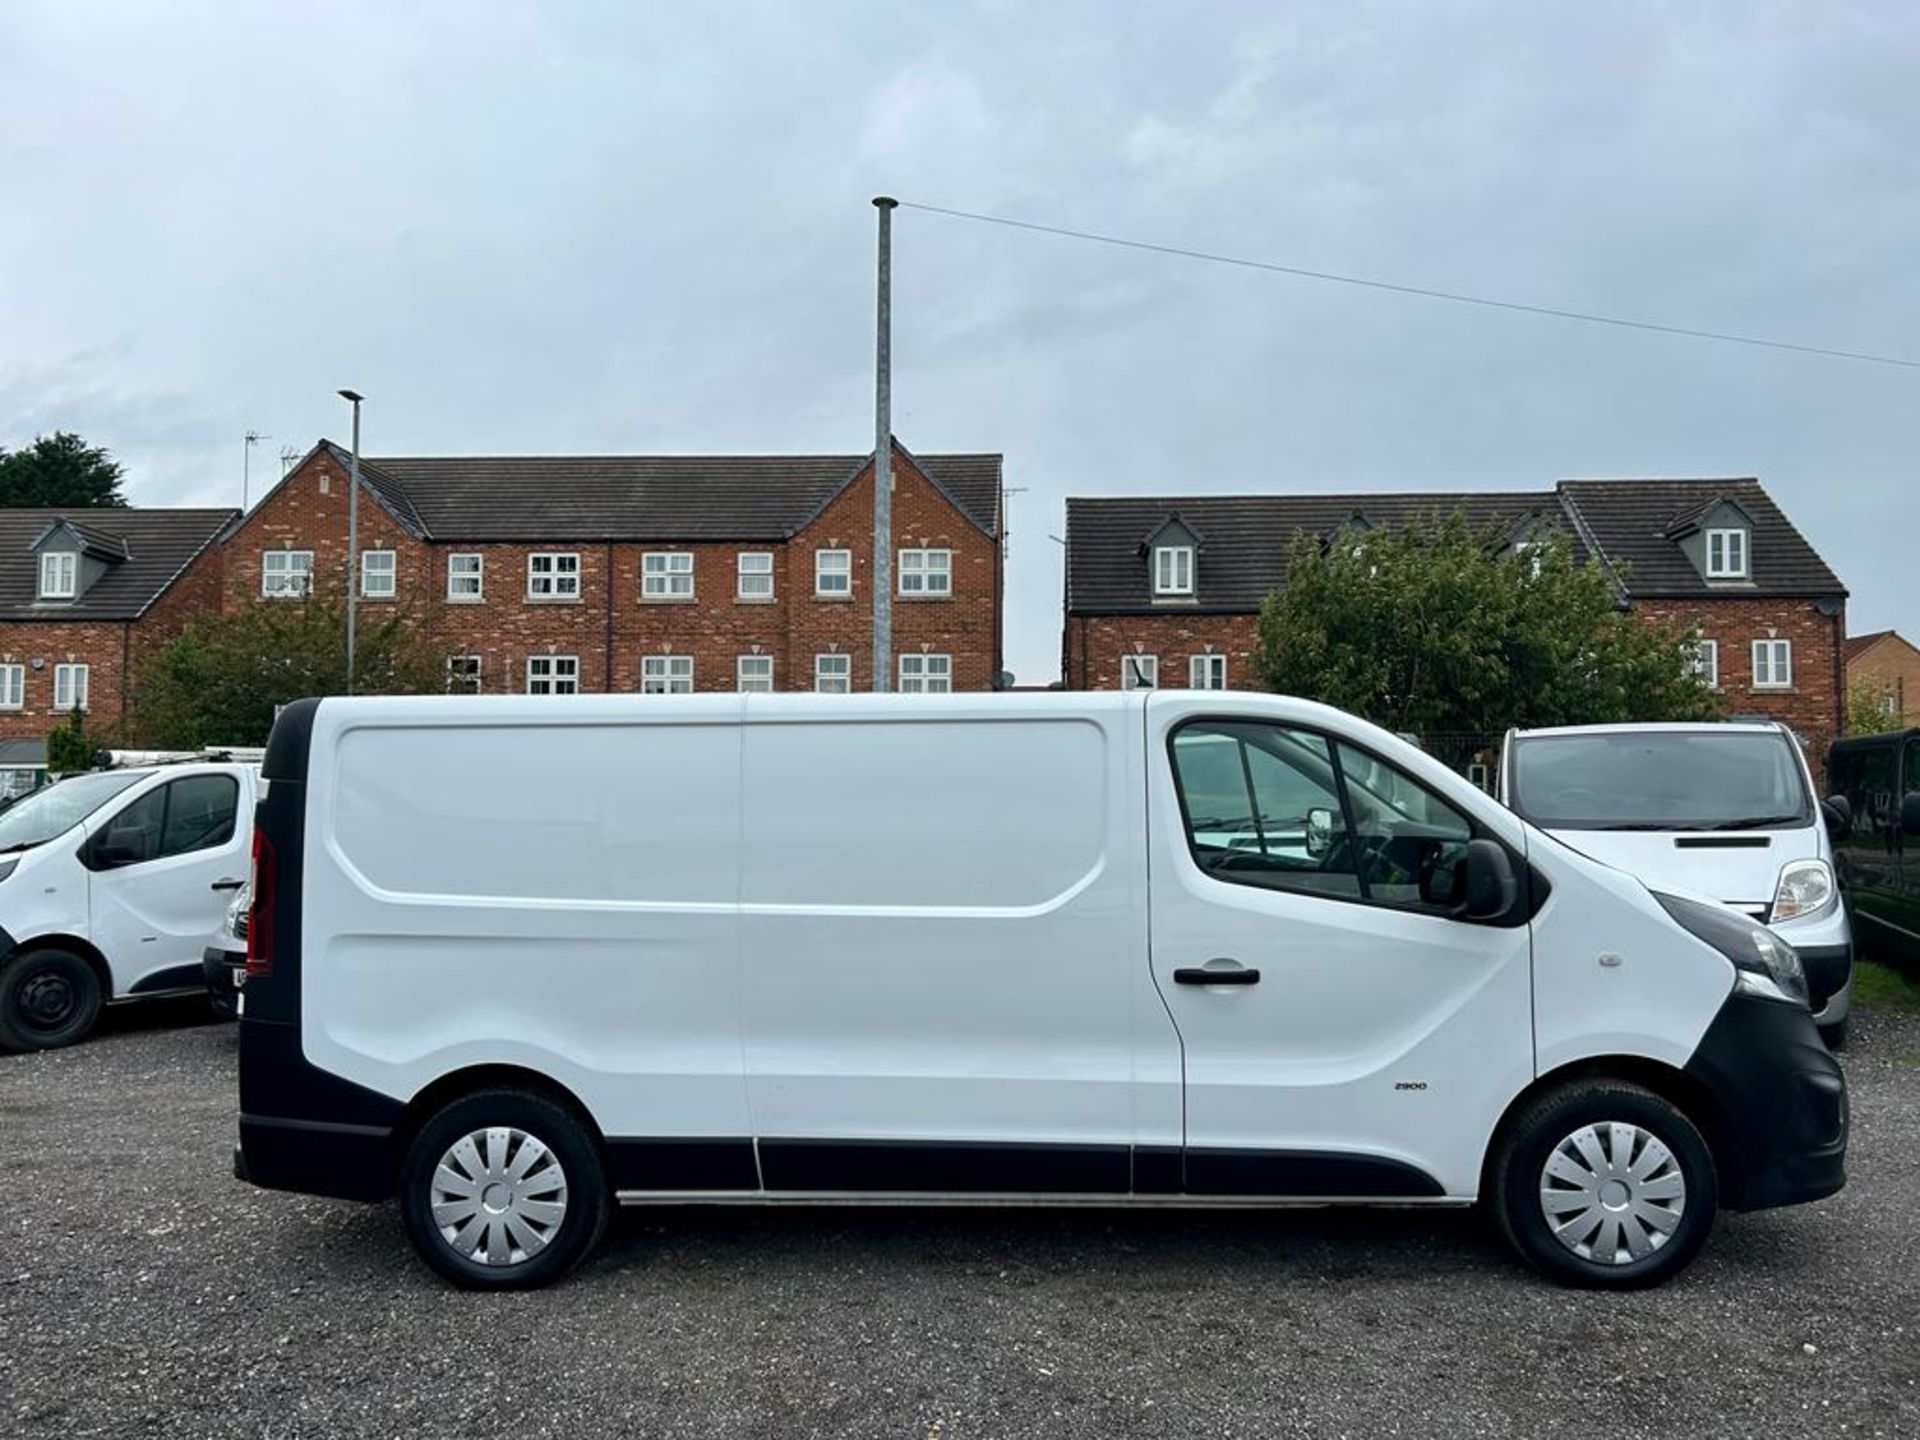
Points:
[(1607, 1185), (503, 1190), (48, 998)]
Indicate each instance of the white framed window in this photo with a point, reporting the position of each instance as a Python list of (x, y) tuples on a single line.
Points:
[(463, 675), (1889, 704), (1772, 664), (553, 575), (59, 575), (285, 574), (69, 687), (666, 575), (833, 674), (833, 572), (753, 672), (1173, 570), (465, 577), (1207, 672), (926, 572), (377, 574), (1726, 554), (666, 674), (13, 686), (1478, 775), (926, 674), (755, 575), (553, 674), (1139, 672), (1703, 662)]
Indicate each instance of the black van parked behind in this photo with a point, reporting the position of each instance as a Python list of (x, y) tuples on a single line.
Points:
[(1878, 859)]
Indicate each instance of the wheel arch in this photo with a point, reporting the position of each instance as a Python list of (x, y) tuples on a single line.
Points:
[(472, 1080), (1683, 1091), (74, 945)]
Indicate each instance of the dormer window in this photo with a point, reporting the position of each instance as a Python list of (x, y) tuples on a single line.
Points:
[(1173, 570), (59, 575), (1726, 554)]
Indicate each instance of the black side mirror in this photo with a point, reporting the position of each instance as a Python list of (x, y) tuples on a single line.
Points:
[(1492, 887), (1319, 834), (124, 846), (1910, 813), (1837, 811)]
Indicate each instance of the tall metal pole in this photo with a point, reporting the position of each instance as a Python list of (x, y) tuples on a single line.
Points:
[(883, 459), (353, 533)]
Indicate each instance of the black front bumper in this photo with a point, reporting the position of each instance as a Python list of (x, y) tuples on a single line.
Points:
[(218, 966), (1828, 968), (1782, 1101)]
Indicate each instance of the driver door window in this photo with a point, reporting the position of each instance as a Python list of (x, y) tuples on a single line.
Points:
[(193, 813), (1262, 807)]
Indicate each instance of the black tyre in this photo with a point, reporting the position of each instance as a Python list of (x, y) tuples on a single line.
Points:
[(1606, 1185), (48, 998), (503, 1190)]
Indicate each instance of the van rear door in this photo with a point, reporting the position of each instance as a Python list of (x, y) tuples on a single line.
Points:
[(1342, 1035)]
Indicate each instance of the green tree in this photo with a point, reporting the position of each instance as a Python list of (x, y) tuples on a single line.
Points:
[(61, 469), (69, 747), (218, 681), (1865, 716), (1435, 627)]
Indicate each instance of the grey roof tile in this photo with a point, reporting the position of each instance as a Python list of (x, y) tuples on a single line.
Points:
[(156, 544)]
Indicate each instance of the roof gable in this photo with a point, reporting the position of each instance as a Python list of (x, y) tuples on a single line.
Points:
[(141, 553)]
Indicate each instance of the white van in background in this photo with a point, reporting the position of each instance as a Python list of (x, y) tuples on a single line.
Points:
[(1723, 810), (1195, 948), (112, 883)]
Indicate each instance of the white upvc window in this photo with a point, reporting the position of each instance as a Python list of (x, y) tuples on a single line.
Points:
[(377, 574), (666, 575), (666, 674), (755, 575), (1207, 672), (926, 572), (1703, 662), (59, 575), (833, 674), (1173, 570), (1889, 704), (1772, 664), (833, 572), (1139, 672), (553, 575), (753, 672), (465, 577), (926, 674), (553, 674), (1726, 554), (463, 675), (13, 686), (69, 687), (286, 574)]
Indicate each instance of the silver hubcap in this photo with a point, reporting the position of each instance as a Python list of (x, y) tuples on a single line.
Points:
[(1612, 1193), (499, 1196)]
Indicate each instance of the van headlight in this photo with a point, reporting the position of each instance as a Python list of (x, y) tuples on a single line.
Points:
[(1764, 964), (1806, 888), (9, 865)]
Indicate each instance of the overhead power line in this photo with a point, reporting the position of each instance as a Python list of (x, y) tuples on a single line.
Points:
[(1457, 297)]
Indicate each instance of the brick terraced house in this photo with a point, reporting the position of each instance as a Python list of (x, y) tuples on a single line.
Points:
[(85, 594), (1887, 665), (1166, 591), (657, 574)]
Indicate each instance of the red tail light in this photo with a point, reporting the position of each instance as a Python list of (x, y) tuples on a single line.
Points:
[(260, 912)]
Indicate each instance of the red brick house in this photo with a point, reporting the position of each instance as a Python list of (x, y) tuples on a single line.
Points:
[(649, 573), (85, 594), (1167, 590), (1887, 665)]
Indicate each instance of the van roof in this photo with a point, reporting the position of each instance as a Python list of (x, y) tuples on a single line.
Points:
[(1704, 727)]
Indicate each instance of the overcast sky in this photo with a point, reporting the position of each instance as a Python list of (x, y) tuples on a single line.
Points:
[(645, 228)]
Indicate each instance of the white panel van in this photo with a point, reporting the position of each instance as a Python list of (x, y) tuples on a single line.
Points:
[(111, 885), (516, 959)]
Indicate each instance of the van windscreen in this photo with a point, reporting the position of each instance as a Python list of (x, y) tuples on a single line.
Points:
[(1659, 780), (51, 812)]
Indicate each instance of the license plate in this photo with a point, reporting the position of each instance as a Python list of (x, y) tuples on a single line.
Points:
[(239, 976)]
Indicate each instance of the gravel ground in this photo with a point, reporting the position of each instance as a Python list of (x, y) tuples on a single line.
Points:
[(145, 1292)]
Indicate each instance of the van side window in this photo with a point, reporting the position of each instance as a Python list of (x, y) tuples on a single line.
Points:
[(1262, 806), (193, 813), (1406, 837)]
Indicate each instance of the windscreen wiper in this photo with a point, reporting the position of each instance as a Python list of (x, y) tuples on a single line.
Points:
[(1755, 822)]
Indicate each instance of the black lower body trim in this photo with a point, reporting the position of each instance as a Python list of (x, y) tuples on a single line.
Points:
[(1306, 1172), (1782, 1101), (174, 977), (681, 1164), (313, 1157), (945, 1168)]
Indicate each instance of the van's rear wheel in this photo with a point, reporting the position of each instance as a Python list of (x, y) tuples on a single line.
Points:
[(1605, 1184), (48, 998), (503, 1190)]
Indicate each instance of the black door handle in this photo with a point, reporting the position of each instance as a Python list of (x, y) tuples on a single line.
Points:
[(226, 884), (1201, 975)]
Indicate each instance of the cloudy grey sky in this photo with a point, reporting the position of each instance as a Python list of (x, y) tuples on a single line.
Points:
[(622, 227)]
